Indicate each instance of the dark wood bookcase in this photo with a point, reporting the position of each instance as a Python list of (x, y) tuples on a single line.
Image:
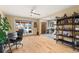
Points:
[(68, 30)]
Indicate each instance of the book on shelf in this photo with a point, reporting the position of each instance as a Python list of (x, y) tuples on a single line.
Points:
[(67, 33), (77, 20)]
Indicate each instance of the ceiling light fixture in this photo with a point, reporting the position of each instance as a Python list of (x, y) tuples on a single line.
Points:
[(33, 11)]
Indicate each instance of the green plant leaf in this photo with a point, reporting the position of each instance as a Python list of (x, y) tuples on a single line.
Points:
[(4, 27)]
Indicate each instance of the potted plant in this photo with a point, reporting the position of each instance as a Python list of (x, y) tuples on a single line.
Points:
[(4, 28)]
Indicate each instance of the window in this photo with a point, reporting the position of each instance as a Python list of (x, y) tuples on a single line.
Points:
[(25, 25)]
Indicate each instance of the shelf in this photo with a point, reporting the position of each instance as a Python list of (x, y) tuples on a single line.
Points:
[(68, 36), (66, 42), (76, 30), (59, 34), (76, 23), (67, 30), (65, 36), (76, 35), (77, 38), (59, 24), (62, 18), (76, 16), (68, 25)]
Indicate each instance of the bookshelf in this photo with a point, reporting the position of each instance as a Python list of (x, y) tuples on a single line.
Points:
[(68, 30)]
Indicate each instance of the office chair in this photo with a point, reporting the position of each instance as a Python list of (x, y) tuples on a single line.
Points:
[(16, 38), (19, 36), (12, 38)]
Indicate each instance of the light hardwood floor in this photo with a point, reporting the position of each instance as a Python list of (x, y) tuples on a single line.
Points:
[(42, 44)]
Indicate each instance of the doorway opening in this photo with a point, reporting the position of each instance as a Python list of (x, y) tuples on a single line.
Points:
[(43, 27)]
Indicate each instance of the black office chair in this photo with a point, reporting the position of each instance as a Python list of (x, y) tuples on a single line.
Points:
[(12, 38), (16, 40), (19, 36)]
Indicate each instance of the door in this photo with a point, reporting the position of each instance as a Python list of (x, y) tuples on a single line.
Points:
[(43, 27)]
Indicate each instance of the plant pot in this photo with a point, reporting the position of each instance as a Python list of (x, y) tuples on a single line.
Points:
[(1, 48)]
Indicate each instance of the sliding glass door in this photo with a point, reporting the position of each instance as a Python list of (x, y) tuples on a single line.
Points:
[(26, 25)]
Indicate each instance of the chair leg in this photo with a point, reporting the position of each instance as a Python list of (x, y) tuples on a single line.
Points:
[(22, 44), (16, 45), (10, 48)]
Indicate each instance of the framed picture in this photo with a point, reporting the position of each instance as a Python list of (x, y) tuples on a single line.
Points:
[(35, 24)]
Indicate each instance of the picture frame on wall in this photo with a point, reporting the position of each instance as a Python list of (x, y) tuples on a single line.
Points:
[(35, 24)]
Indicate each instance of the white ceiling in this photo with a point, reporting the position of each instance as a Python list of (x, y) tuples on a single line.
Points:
[(24, 10)]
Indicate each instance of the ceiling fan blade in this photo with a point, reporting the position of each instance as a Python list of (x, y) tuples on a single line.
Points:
[(31, 10), (36, 13)]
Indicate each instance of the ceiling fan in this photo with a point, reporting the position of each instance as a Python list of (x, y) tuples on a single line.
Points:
[(33, 11)]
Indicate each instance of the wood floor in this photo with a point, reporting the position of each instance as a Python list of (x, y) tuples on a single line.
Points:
[(42, 44)]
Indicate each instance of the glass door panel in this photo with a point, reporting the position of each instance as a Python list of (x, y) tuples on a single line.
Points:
[(25, 25)]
